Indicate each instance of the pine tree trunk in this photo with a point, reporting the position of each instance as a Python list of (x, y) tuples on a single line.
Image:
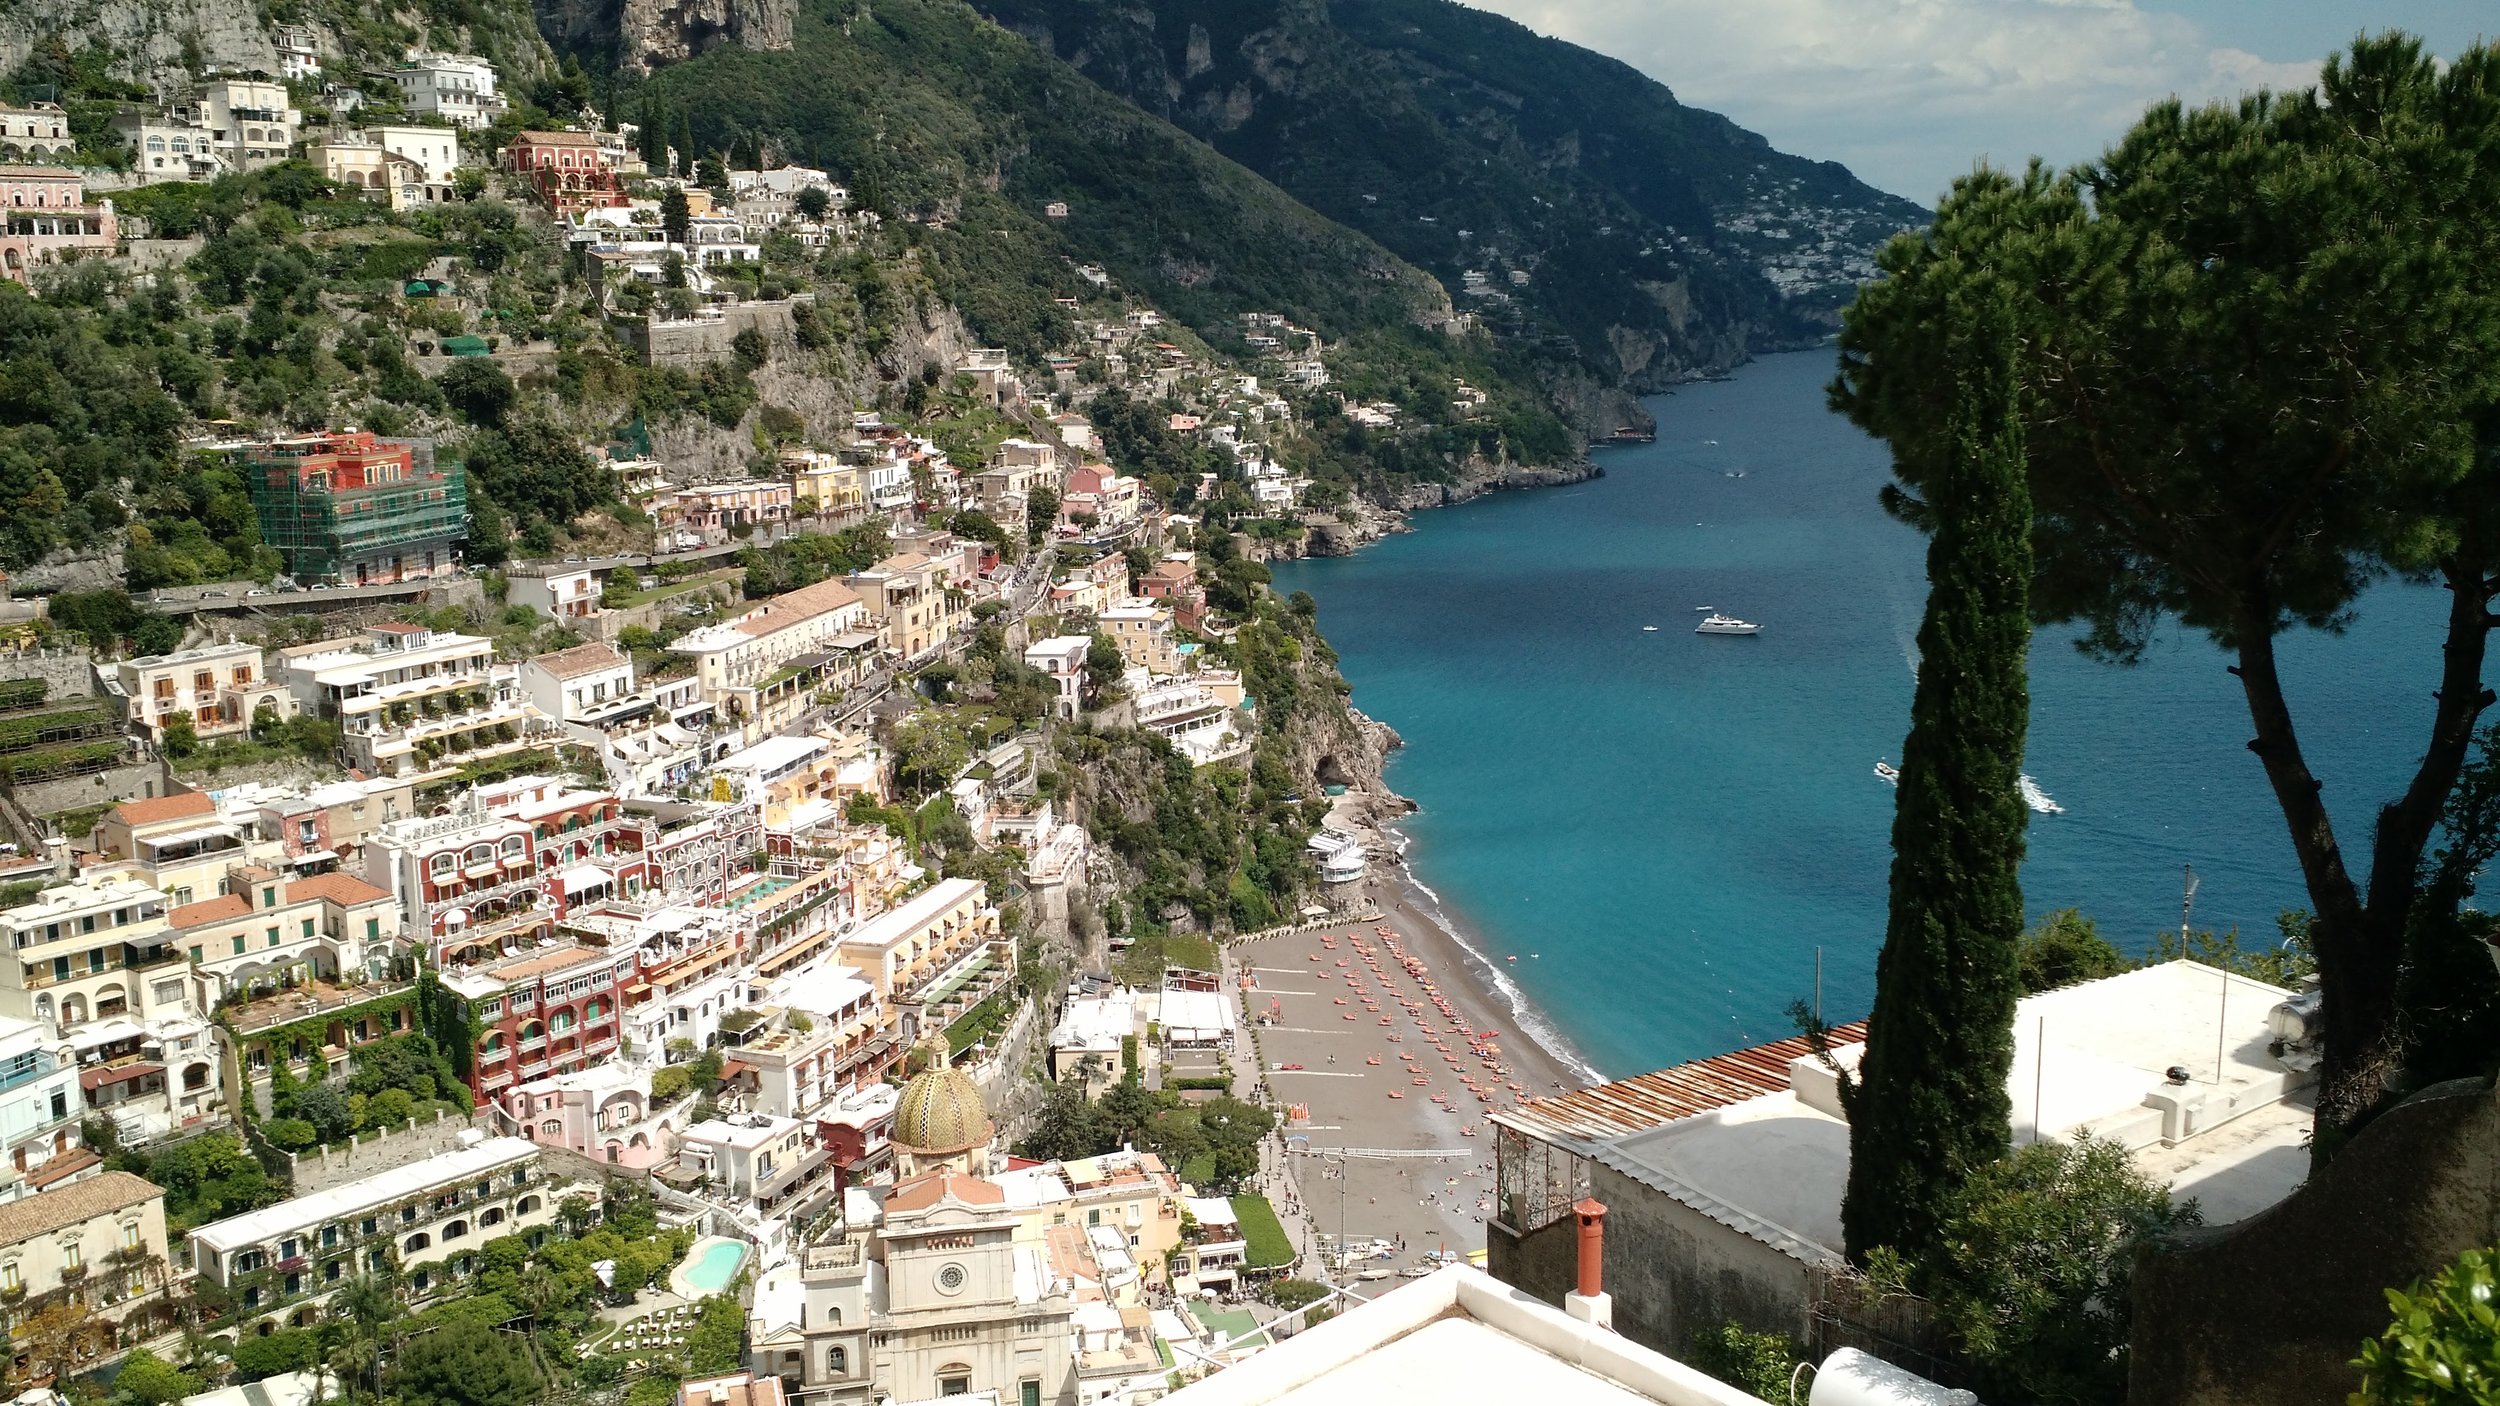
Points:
[(1929, 1106)]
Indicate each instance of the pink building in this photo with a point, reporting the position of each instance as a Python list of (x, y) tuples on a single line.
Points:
[(603, 1113), (49, 220)]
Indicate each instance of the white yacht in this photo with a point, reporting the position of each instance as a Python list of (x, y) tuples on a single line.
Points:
[(1887, 773), (1717, 624)]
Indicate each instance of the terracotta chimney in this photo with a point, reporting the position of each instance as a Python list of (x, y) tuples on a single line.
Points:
[(1589, 1302)]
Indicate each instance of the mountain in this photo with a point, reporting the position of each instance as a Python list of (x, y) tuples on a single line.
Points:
[(1022, 183), (938, 117), (1566, 199)]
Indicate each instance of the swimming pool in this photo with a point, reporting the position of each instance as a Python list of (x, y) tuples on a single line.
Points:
[(710, 1266)]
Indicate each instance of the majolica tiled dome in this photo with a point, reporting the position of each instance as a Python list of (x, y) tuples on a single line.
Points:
[(940, 1114)]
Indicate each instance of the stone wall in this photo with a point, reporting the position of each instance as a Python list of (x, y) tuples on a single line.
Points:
[(71, 673), (2271, 1311), (1674, 1273), (704, 339), (369, 1153), (136, 781)]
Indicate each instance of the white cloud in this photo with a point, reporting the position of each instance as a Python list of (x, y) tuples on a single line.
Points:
[(1908, 93)]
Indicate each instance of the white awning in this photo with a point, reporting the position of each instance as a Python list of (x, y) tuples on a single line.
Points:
[(103, 1032), (193, 836), (315, 856), (581, 878)]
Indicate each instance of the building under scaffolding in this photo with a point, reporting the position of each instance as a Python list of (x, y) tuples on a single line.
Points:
[(357, 508)]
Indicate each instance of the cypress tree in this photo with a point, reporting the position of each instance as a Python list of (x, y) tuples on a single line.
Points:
[(1929, 1106)]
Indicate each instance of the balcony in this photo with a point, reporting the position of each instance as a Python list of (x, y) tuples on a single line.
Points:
[(843, 1254)]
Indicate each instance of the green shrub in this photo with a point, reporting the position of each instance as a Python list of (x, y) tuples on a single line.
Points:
[(1761, 1363), (2031, 1274), (2442, 1346)]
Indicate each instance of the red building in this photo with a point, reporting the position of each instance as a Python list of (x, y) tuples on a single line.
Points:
[(357, 507), (1174, 581), (488, 882), (568, 170), (551, 1010)]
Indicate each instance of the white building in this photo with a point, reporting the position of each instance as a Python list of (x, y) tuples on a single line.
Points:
[(435, 150), (219, 686), (405, 696), (1460, 1335), (566, 594), (1063, 658), (40, 1105), (252, 121), (958, 1306), (774, 1164), (1730, 1170), (578, 684), (170, 146), (458, 88), (427, 1217)]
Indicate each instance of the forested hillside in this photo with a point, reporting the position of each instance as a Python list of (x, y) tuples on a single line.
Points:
[(1614, 227)]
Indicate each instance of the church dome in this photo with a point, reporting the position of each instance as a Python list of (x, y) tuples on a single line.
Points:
[(940, 1113)]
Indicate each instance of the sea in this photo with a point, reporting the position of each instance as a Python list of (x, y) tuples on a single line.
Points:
[(1657, 841)]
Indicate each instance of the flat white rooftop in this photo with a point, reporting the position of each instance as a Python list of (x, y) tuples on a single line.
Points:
[(773, 754), (918, 911), (355, 1198), (2094, 1057), (1458, 1336)]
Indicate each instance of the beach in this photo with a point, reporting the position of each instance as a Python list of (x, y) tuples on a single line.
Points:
[(1394, 1145)]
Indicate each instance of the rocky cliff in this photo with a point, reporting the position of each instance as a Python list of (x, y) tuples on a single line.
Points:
[(642, 35)]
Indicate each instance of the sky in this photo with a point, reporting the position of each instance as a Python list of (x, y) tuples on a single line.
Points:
[(1910, 93)]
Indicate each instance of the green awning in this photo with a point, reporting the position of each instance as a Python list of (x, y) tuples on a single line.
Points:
[(464, 345)]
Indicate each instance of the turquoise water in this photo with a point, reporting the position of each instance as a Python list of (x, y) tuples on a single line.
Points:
[(716, 1266), (1663, 828)]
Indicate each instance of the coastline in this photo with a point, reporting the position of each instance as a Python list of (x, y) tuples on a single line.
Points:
[(1370, 811)]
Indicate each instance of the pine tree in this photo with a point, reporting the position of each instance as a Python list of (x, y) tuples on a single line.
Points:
[(1929, 1106)]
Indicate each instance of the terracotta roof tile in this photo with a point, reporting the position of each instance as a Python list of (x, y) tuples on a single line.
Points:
[(580, 659), (926, 1190), (796, 607), (45, 1212), (346, 890), (211, 910), (1653, 1100)]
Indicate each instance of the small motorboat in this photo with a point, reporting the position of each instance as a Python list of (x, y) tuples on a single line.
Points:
[(1887, 773), (1649, 629)]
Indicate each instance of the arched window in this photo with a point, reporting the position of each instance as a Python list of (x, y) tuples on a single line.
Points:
[(481, 854), (837, 1361), (455, 1230), (492, 1215), (416, 1242), (442, 864), (551, 1128), (528, 1204), (562, 1023)]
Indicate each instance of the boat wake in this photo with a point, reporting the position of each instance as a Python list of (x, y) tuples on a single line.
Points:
[(2036, 798)]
